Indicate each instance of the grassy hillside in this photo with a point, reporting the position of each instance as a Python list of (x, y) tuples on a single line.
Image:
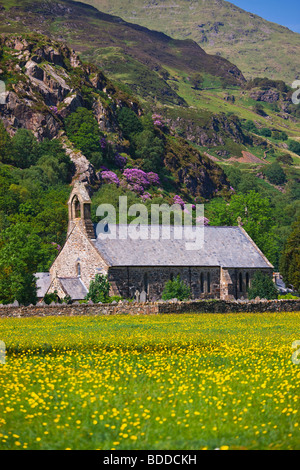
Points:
[(138, 53), (258, 47)]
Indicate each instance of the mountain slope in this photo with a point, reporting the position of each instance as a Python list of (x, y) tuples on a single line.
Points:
[(129, 50), (47, 83), (197, 94), (258, 47)]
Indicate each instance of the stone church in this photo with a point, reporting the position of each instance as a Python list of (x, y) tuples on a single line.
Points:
[(222, 269)]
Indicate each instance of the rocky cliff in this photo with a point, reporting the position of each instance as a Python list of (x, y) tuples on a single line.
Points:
[(46, 82)]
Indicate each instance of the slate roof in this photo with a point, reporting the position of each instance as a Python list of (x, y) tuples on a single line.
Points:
[(228, 247), (74, 287), (42, 283)]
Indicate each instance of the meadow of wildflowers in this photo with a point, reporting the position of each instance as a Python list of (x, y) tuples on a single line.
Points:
[(150, 382)]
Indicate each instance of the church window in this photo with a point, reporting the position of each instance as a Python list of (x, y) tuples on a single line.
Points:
[(76, 208), (247, 281), (78, 270), (201, 283), (146, 282), (241, 282), (208, 283)]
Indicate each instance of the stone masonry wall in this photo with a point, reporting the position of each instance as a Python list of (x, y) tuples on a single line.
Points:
[(78, 249), (126, 280), (148, 308)]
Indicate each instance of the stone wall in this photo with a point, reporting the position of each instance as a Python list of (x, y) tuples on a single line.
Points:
[(148, 308), (204, 282), (78, 249), (235, 282)]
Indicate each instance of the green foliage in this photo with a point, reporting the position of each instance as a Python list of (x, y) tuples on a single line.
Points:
[(33, 215), (99, 289), (288, 297), (259, 109), (129, 122), (256, 218), (290, 258), (176, 289), (24, 149), (262, 286), (250, 126), (294, 146), (5, 144), (82, 129), (21, 254), (275, 173), (197, 80), (150, 149), (265, 132), (96, 159), (49, 298), (286, 159), (265, 84), (277, 135)]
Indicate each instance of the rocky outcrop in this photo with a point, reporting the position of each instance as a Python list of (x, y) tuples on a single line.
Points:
[(211, 133), (194, 174), (268, 96), (84, 170), (46, 90)]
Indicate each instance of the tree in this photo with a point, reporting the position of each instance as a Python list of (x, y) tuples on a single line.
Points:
[(129, 122), (265, 132), (99, 289), (83, 130), (290, 258), (275, 173), (286, 159), (5, 144), (20, 258), (176, 289), (256, 218), (197, 80), (150, 149), (24, 149), (262, 286), (294, 146)]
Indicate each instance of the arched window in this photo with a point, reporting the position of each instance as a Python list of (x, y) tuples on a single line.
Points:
[(146, 282), (241, 282), (247, 281), (201, 283), (78, 270), (76, 208), (208, 283)]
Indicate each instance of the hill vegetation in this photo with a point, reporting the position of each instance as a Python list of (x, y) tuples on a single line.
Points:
[(180, 130), (258, 47)]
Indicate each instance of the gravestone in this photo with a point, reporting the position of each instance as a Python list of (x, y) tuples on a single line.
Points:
[(143, 296), (137, 296)]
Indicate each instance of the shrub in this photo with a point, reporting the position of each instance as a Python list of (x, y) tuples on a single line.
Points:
[(83, 131), (263, 287), (176, 289), (286, 159), (129, 122), (288, 297), (290, 258), (99, 289), (110, 177), (265, 132), (294, 146), (275, 173), (53, 297)]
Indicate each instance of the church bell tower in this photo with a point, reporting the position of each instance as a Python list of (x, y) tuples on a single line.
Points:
[(79, 205)]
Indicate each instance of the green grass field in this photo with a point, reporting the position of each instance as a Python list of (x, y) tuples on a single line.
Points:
[(150, 382)]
